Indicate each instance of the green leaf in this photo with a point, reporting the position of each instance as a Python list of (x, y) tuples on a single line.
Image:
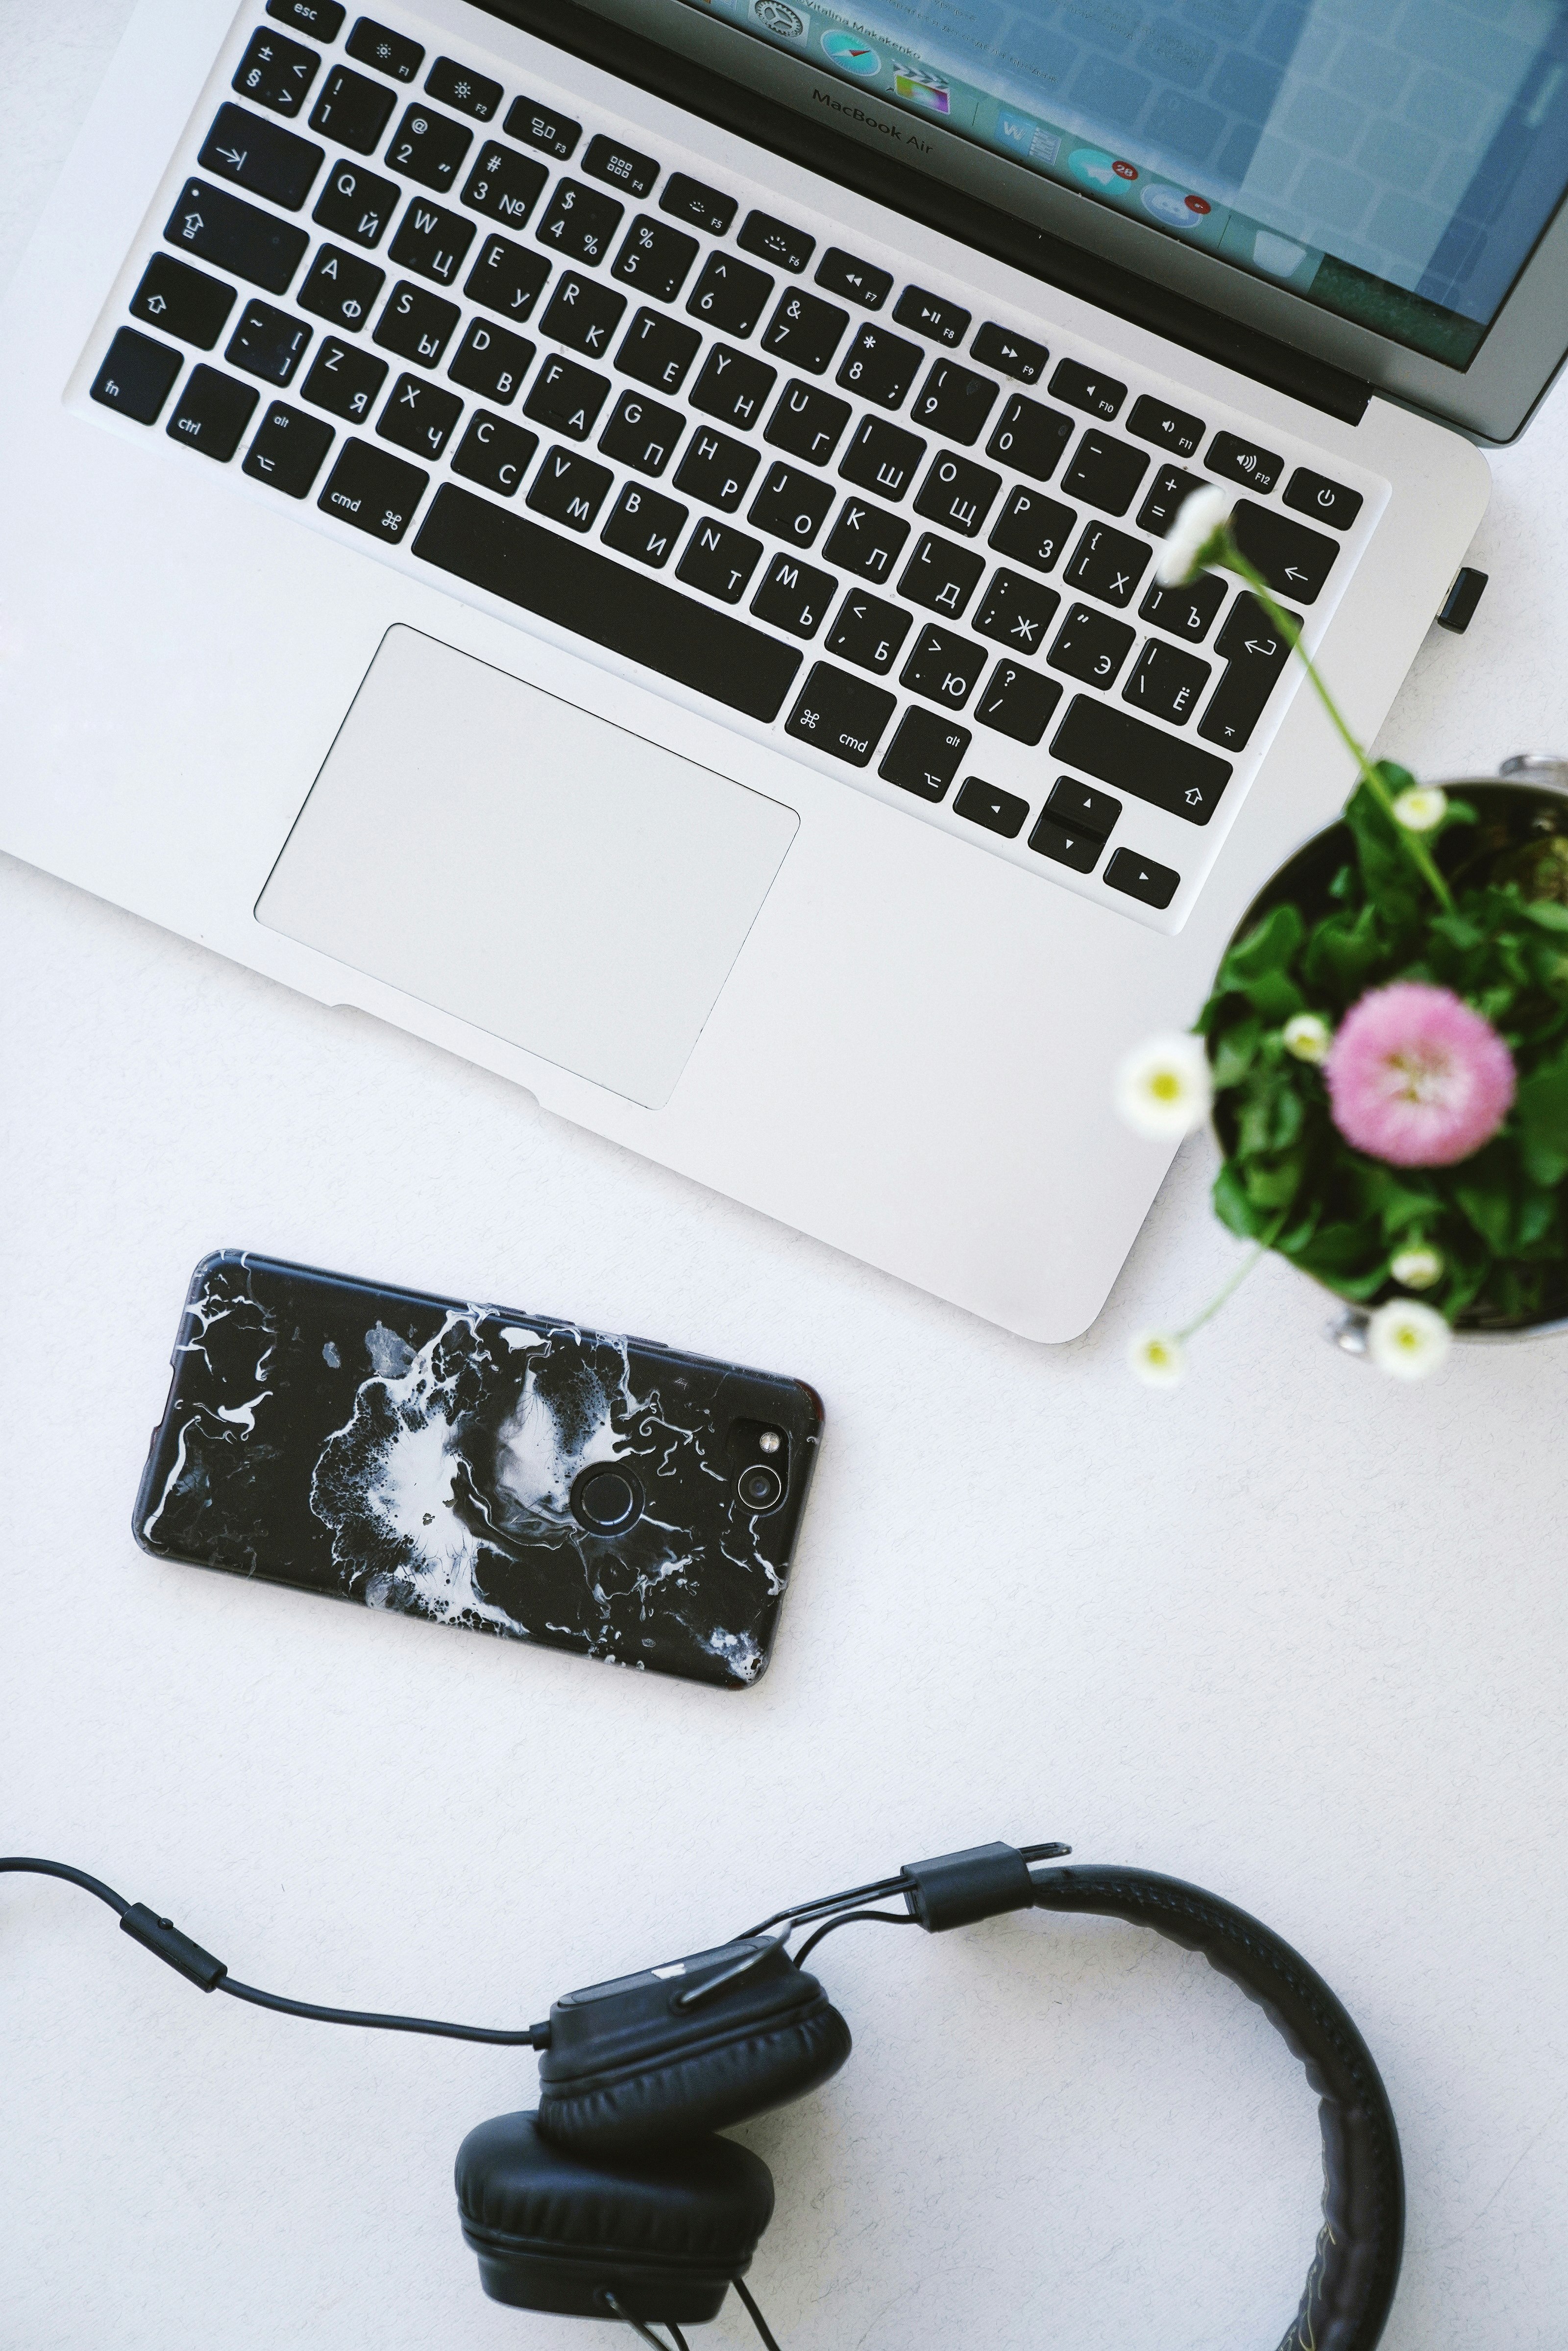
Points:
[(1269, 946), (1235, 1051), (1234, 1208), (1546, 912), (1541, 1110), (1276, 996), (1487, 1199)]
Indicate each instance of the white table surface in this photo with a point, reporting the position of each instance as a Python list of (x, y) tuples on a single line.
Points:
[(1292, 1632)]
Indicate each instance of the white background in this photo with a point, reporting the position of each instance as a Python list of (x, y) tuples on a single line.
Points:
[(1292, 1632)]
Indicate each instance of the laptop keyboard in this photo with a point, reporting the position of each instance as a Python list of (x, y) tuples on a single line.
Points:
[(884, 526)]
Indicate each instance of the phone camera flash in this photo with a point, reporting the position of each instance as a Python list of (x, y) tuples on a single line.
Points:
[(769, 1441)]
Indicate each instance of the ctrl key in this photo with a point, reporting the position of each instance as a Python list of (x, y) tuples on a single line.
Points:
[(286, 453), (1141, 878), (137, 377), (840, 715), (375, 493)]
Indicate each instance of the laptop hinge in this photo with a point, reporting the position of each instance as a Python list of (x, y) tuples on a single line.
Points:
[(699, 89)]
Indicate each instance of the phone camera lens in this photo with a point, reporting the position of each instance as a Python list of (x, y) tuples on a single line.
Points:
[(606, 1500), (760, 1486)]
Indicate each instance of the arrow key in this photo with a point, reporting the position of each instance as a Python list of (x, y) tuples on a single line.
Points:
[(261, 156), (1067, 844), (179, 300), (1141, 878), (1295, 561)]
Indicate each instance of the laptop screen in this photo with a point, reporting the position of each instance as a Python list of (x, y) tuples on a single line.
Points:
[(1394, 161)]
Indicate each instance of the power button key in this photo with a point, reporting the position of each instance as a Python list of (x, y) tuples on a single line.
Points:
[(1325, 501)]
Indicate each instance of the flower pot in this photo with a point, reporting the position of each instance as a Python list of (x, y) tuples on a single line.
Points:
[(1521, 830)]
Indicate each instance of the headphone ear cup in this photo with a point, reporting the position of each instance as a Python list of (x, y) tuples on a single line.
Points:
[(664, 2237)]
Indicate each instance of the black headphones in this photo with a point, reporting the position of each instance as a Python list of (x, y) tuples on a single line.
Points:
[(615, 2200)]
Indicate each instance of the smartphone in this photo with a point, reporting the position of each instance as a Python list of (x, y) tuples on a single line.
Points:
[(504, 1472)]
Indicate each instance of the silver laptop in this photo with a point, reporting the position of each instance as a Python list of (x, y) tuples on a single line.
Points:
[(619, 536)]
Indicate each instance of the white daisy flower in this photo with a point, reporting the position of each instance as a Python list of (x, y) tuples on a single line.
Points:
[(1158, 1358), (1308, 1036), (1195, 540), (1407, 1340), (1163, 1087), (1418, 1267), (1422, 809)]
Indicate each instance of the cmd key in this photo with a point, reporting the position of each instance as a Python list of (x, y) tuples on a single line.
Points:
[(218, 228)]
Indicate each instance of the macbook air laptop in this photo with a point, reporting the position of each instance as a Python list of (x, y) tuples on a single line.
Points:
[(619, 536)]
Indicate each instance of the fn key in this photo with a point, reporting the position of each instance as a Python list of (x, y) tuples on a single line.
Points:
[(841, 715)]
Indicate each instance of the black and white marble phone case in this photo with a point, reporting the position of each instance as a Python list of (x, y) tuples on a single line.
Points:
[(502, 1471)]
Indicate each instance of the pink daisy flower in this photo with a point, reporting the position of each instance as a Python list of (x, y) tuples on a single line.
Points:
[(1416, 1078)]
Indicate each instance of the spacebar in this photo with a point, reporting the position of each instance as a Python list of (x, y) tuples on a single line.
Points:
[(584, 592)]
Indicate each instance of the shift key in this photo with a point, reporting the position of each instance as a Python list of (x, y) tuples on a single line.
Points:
[(1134, 756), (232, 235)]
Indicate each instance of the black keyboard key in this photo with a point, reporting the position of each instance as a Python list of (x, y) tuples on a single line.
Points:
[(807, 422), (716, 470), (1080, 851), (1018, 702), (953, 401), (1080, 806), (1030, 438), (941, 576), (988, 805), (373, 491), (1017, 610), (943, 667), (267, 343), (793, 596), (432, 241), (1166, 682), (644, 525), (232, 235), (1012, 354), (276, 73), (570, 489), (776, 241), (1172, 488), (658, 350), (343, 379), (930, 314), (1255, 654), (390, 53), (882, 457), (589, 595), (1186, 611), (505, 185), (540, 126), (1294, 561), (580, 221), (866, 539), (1243, 461), (685, 198), (357, 203), (805, 330), (495, 453), (322, 19), (582, 315), (415, 325), (643, 436), (1092, 645), (352, 111), (1141, 878), (926, 754), (566, 398), (1086, 388), (1325, 501), (730, 294), (869, 631), (654, 259), (1166, 427), (1143, 760), (719, 560), (181, 301), (420, 416), (1107, 563), (958, 492), (619, 167), (506, 278), (1104, 472), (732, 386), (491, 361), (137, 376), (340, 287), (429, 147), (881, 366), (1033, 529), (261, 157), (857, 281), (459, 85), (792, 505), (211, 412), (841, 714)]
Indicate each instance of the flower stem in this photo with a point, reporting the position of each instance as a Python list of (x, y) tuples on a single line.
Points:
[(1415, 849), (1228, 1289)]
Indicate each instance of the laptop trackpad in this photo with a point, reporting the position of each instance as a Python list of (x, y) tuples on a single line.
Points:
[(515, 861)]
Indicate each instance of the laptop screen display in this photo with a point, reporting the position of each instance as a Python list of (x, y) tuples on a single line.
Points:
[(1396, 162)]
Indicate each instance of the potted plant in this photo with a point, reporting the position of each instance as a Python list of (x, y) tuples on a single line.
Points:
[(1383, 1053)]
